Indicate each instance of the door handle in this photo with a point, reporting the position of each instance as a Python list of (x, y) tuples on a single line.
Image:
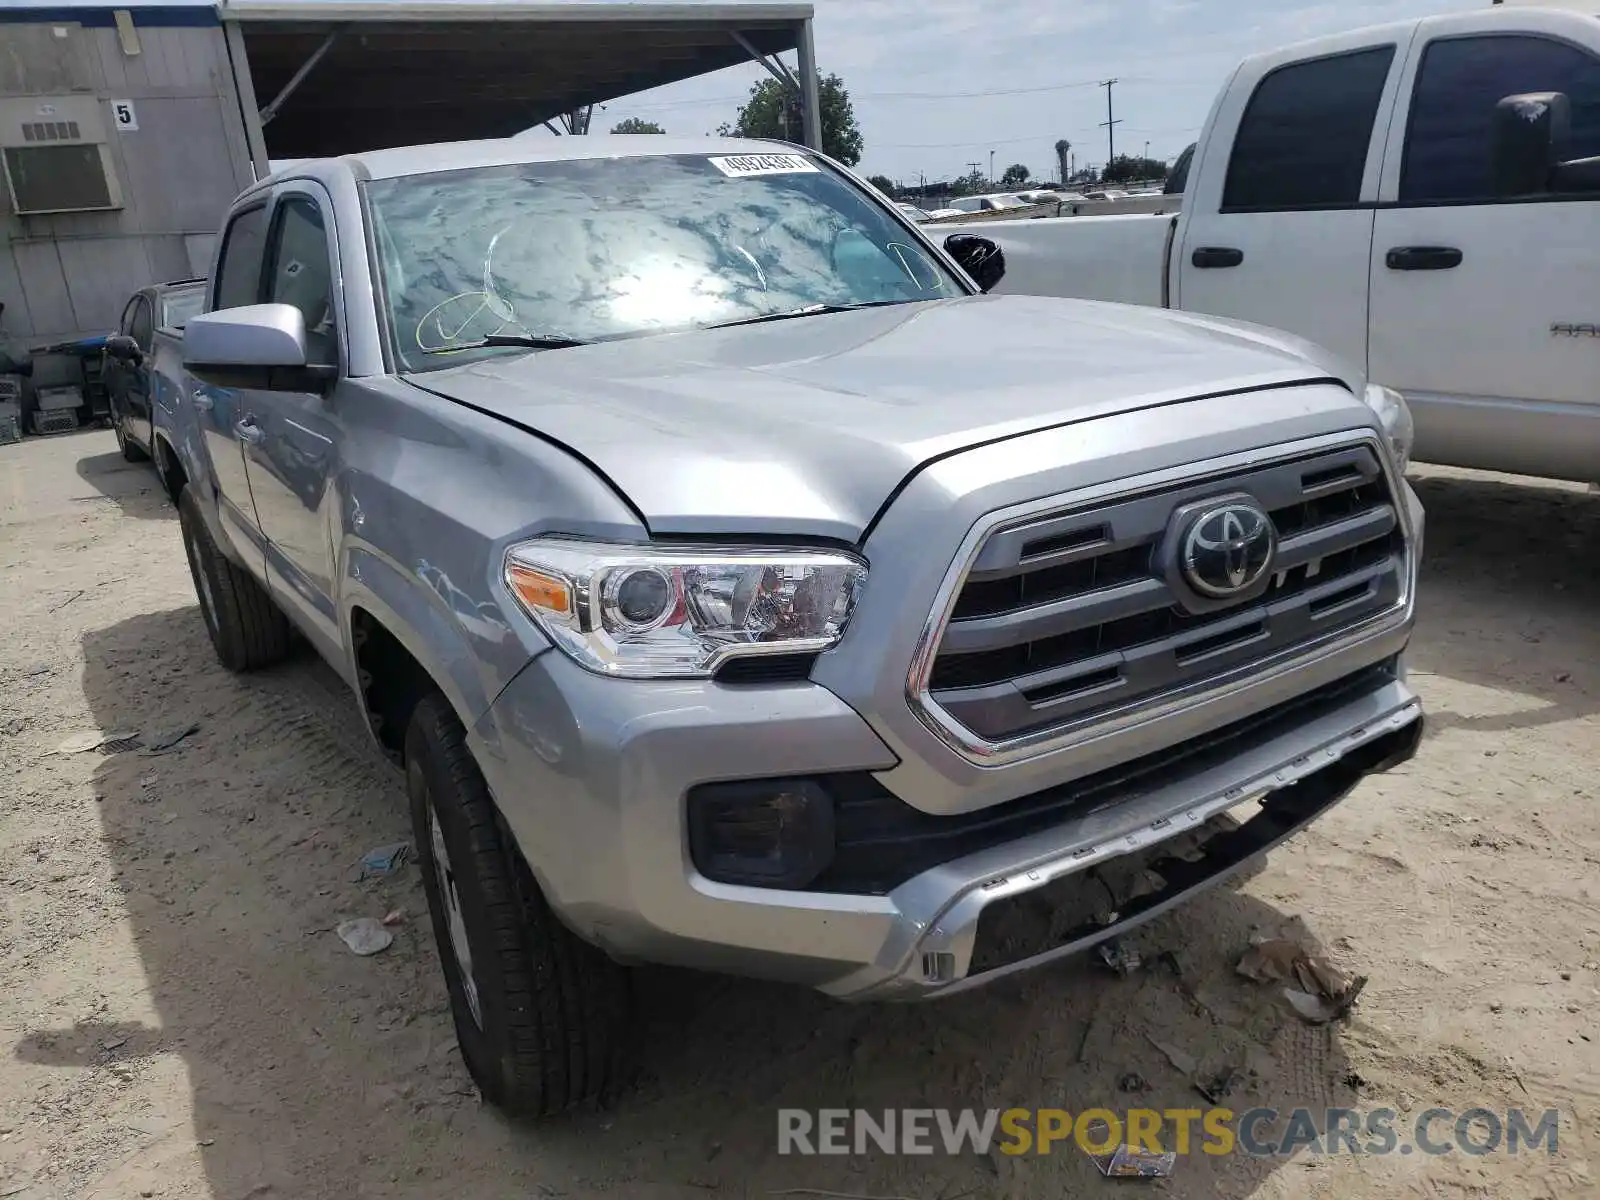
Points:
[(249, 431), (1211, 257), (1422, 258), (202, 401)]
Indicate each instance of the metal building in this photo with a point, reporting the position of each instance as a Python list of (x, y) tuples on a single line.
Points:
[(125, 130)]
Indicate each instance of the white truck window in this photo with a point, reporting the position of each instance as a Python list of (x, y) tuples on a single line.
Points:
[(1302, 143), (1461, 81)]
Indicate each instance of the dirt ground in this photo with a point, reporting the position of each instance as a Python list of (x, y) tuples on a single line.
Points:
[(178, 1019)]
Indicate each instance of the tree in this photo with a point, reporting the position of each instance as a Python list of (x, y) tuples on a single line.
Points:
[(1125, 167), (1015, 175), (636, 125), (883, 183), (774, 112), (1064, 159), (971, 184)]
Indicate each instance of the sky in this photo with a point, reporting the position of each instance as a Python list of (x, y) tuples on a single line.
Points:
[(938, 84)]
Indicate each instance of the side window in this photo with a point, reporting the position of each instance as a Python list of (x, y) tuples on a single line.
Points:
[(1460, 82), (300, 274), (239, 272), (1303, 140), (142, 329)]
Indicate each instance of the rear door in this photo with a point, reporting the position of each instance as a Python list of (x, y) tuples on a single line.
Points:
[(220, 411), (1278, 214), (1485, 308)]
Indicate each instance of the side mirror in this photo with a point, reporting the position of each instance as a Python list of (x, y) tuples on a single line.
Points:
[(259, 346), (978, 257), (1525, 136), (124, 349)]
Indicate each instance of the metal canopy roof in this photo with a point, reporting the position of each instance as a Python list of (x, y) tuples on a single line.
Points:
[(340, 77)]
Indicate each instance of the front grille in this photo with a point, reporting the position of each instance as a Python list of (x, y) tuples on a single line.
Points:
[(1068, 617)]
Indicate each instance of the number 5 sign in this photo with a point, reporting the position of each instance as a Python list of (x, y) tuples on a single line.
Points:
[(122, 113)]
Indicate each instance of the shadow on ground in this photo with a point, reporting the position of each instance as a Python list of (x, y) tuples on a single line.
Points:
[(1506, 566), (314, 1072), (135, 487)]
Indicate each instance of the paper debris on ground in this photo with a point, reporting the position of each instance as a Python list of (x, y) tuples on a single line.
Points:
[(89, 739), (161, 740), (364, 936), (1317, 990), (385, 860), (1185, 1063), (1128, 1163), (1120, 957)]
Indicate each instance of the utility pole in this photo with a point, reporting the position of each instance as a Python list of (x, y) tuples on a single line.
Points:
[(991, 170), (1110, 123), (976, 167)]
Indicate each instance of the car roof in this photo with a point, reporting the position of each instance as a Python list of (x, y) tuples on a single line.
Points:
[(523, 148)]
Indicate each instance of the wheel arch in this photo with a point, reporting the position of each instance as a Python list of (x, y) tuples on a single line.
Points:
[(403, 646)]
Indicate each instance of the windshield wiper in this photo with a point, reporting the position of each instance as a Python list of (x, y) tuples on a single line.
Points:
[(810, 310), (532, 341)]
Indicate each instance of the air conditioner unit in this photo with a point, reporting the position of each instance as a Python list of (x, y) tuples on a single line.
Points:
[(54, 155)]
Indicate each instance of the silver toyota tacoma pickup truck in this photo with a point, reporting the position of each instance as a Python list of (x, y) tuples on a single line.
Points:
[(740, 587)]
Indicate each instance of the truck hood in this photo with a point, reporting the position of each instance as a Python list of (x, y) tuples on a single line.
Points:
[(807, 426)]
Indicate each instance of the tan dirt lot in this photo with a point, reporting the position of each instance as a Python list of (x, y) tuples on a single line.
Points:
[(177, 1018)]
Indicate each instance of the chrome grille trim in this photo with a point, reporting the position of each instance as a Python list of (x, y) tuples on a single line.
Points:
[(999, 536)]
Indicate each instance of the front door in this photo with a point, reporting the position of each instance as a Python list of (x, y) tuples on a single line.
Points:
[(291, 459), (1485, 309), (221, 412), (1276, 231)]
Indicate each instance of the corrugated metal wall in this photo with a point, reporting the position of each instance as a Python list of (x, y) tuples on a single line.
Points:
[(70, 274)]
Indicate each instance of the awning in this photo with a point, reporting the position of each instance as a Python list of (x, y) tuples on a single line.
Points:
[(338, 77)]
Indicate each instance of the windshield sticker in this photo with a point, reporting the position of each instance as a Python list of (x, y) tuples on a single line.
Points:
[(738, 165)]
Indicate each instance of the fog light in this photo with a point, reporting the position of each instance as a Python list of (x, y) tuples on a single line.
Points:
[(775, 833)]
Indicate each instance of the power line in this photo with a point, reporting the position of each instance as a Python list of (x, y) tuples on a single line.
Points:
[(1027, 91)]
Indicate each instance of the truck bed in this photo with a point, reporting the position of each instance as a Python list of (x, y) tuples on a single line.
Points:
[(1120, 258)]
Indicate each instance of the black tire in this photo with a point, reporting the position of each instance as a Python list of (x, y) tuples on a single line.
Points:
[(130, 452), (552, 1022), (247, 629)]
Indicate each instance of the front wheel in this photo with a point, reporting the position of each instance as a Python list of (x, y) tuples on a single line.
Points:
[(541, 1016)]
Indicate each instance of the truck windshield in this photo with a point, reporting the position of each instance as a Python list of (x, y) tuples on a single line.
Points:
[(602, 248)]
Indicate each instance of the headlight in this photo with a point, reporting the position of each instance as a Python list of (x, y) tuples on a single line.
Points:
[(1395, 417), (658, 612)]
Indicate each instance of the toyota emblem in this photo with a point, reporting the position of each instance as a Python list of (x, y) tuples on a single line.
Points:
[(1228, 549)]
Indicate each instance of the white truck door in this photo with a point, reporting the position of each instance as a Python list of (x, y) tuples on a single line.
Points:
[(1485, 308), (1278, 217)]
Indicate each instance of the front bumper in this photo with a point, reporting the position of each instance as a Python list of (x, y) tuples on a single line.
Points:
[(590, 798)]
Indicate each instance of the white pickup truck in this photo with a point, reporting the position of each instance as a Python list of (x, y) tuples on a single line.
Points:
[(1421, 198)]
